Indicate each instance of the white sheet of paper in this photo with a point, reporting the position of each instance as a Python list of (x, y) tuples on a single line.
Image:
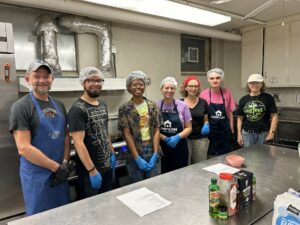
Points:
[(221, 168), (143, 201)]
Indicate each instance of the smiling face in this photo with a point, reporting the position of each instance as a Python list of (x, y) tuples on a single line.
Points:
[(214, 80), (93, 86), (168, 91), (137, 88), (255, 87), (193, 88), (40, 80)]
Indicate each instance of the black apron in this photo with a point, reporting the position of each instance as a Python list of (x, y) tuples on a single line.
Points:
[(174, 158), (220, 131)]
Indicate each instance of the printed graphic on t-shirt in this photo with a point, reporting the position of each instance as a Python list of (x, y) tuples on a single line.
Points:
[(144, 120), (49, 112), (254, 110)]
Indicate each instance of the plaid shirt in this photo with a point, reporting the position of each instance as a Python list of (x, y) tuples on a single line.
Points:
[(129, 118)]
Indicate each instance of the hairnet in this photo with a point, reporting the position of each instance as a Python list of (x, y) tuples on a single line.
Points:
[(169, 80), (134, 75), (189, 78), (216, 70), (87, 72)]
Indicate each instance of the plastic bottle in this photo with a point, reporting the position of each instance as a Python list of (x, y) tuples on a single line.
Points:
[(254, 187), (214, 198), (228, 193)]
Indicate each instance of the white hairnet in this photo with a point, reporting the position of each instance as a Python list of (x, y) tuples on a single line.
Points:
[(87, 72), (134, 75), (216, 70), (168, 80)]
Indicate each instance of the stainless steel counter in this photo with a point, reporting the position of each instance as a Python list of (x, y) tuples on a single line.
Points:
[(276, 170)]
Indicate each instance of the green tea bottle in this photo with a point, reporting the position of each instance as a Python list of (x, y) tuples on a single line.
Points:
[(254, 187), (214, 198)]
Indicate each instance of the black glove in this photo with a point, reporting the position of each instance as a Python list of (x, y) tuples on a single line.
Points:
[(60, 175)]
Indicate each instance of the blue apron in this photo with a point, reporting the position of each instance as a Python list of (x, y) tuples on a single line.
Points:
[(49, 139), (174, 158), (220, 131)]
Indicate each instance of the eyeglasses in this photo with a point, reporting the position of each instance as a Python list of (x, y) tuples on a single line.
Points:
[(192, 86), (91, 81), (254, 83)]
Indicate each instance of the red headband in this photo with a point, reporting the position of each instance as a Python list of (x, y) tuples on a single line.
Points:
[(189, 78)]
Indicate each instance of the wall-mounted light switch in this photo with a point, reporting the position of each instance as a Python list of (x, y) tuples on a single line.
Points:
[(113, 49)]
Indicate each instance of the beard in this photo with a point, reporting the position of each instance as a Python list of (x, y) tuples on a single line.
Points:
[(93, 94), (41, 89)]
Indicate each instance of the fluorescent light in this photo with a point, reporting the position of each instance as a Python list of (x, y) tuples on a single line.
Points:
[(168, 9)]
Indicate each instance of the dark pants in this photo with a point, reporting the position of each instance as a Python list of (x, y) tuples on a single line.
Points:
[(85, 190)]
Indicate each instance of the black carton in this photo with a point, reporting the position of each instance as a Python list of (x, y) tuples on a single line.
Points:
[(243, 180)]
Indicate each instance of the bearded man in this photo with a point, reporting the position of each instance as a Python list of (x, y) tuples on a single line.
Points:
[(88, 124), (39, 126)]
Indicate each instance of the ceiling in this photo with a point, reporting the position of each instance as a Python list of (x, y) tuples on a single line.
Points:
[(242, 7), (237, 9)]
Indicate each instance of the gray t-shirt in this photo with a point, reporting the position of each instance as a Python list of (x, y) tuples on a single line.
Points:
[(23, 114)]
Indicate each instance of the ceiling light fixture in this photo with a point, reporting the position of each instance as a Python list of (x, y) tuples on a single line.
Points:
[(167, 9)]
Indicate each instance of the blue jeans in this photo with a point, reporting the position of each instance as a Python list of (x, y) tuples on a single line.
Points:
[(251, 138), (85, 190), (134, 173)]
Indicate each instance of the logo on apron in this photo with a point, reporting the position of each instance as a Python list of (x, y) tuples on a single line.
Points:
[(54, 135), (218, 115), (167, 127)]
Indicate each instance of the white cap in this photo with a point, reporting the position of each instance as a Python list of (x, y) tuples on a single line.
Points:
[(255, 78), (87, 72)]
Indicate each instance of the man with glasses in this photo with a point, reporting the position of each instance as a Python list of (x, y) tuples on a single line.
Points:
[(38, 123), (88, 124)]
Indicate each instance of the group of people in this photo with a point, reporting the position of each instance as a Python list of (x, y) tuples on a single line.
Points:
[(176, 132)]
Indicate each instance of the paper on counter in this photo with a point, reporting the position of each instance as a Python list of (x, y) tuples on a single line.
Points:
[(221, 168), (143, 201)]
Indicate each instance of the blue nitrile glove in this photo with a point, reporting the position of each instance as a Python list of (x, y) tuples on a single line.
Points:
[(174, 141), (153, 160), (166, 140), (205, 129), (113, 160), (142, 164), (96, 181)]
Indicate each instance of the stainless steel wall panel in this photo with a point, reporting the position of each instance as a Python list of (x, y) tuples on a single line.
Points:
[(26, 43), (11, 198), (66, 51)]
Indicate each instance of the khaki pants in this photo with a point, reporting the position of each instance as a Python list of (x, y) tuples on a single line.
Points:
[(197, 150)]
